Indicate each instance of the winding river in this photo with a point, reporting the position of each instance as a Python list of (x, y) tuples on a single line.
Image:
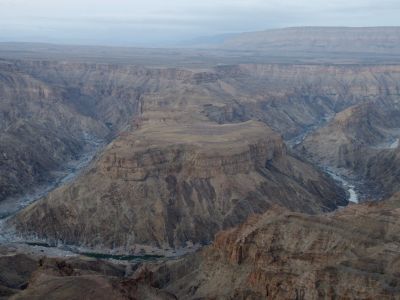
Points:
[(350, 188), (11, 206)]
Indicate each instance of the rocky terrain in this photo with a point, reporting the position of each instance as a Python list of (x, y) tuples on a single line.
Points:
[(38, 132), (285, 255), (252, 162), (166, 185), (348, 254), (188, 156), (52, 113), (33, 277), (364, 140)]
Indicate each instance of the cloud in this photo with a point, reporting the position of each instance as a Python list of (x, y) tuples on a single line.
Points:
[(155, 21)]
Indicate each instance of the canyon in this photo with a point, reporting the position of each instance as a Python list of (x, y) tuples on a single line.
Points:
[(241, 180), (286, 255)]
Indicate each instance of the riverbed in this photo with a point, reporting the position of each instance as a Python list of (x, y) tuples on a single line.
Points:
[(338, 175), (353, 195), (12, 205)]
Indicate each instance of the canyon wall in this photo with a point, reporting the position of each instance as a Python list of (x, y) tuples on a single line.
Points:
[(167, 185), (349, 254), (191, 159)]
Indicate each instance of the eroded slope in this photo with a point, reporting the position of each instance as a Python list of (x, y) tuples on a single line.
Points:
[(350, 254), (167, 184)]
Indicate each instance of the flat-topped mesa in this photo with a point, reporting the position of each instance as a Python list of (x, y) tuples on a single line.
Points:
[(204, 151), (165, 184)]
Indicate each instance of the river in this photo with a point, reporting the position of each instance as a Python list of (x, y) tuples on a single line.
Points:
[(11, 240), (353, 195), (350, 188), (11, 206)]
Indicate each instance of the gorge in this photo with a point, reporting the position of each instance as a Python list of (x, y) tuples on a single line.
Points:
[(242, 180)]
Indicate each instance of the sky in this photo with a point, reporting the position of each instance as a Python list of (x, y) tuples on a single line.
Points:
[(167, 22)]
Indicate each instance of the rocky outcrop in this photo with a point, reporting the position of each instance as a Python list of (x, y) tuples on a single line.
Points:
[(172, 176), (77, 100), (52, 112), (31, 277), (362, 139), (292, 98), (15, 272), (169, 184), (349, 254), (38, 133)]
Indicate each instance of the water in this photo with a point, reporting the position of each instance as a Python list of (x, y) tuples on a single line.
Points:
[(353, 196), (12, 205), (297, 140), (391, 144), (350, 188), (394, 145), (121, 257)]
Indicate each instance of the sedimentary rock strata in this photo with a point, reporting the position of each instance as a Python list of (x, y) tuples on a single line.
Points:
[(349, 254), (168, 184)]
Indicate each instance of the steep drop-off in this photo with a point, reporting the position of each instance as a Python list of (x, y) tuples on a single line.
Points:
[(179, 164), (167, 184), (52, 113), (32, 277), (350, 254), (39, 133), (362, 139)]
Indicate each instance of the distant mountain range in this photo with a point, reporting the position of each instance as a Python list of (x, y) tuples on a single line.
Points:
[(314, 39)]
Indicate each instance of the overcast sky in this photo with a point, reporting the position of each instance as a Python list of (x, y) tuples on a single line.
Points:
[(157, 22)]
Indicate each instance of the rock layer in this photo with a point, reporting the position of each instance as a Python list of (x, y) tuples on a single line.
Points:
[(173, 176), (350, 254), (166, 185), (362, 139), (31, 277)]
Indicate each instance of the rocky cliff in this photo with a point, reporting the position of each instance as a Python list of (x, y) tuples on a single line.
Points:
[(51, 113), (349, 254), (292, 98), (167, 185), (81, 100), (38, 132), (189, 164), (363, 139), (31, 277)]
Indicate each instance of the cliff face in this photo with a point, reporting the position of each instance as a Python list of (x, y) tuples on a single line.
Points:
[(31, 277), (172, 176), (167, 184), (51, 113), (363, 138), (38, 132), (292, 98), (81, 100), (350, 254)]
